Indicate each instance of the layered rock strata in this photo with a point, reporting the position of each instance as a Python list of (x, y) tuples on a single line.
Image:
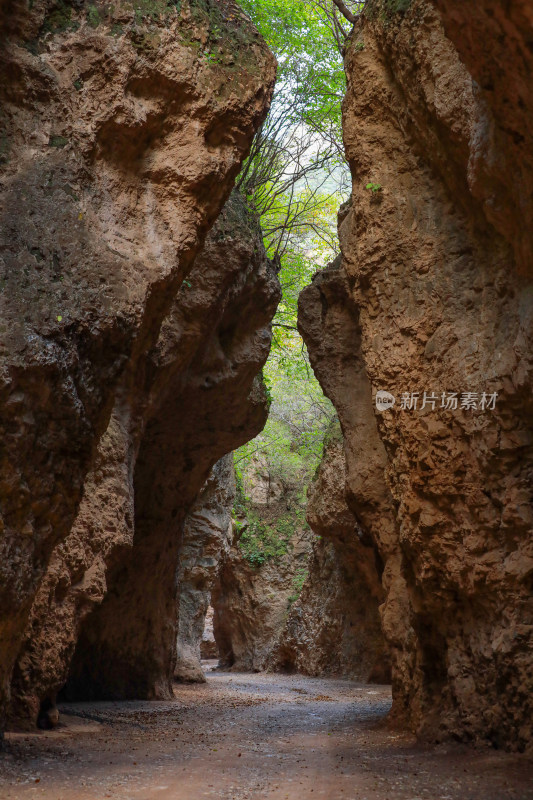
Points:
[(434, 295)]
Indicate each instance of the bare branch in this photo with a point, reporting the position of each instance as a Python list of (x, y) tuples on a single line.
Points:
[(345, 11), (287, 327)]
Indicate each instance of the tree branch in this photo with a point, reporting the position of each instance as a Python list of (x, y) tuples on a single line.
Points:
[(345, 11)]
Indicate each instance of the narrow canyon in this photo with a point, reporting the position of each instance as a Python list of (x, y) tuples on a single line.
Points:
[(266, 410)]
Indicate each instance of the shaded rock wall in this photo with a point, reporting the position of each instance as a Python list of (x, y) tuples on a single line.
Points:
[(314, 608), (120, 140), (334, 627), (201, 400), (329, 323), (211, 405), (436, 277), (252, 600), (207, 535)]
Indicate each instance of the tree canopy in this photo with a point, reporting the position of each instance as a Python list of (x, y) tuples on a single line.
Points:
[(295, 178)]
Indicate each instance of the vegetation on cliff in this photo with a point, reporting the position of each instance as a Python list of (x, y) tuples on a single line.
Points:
[(295, 179)]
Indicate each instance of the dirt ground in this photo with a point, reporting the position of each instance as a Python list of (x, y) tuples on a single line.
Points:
[(248, 737)]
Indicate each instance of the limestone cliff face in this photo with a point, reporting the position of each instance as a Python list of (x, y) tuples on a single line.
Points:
[(105, 615), (434, 295), (207, 535), (121, 131), (334, 627)]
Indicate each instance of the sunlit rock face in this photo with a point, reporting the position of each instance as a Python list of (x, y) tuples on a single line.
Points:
[(119, 143), (434, 294)]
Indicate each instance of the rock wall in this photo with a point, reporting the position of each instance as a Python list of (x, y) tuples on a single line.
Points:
[(334, 627), (251, 596), (207, 535), (201, 400), (208, 645), (434, 295), (313, 608), (121, 132)]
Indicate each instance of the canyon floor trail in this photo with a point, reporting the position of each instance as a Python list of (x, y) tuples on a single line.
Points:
[(244, 737)]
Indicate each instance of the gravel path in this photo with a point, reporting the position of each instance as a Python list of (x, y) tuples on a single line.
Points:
[(249, 737)]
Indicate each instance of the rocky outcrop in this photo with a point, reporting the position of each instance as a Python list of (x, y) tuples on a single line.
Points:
[(254, 591), (208, 644), (295, 597), (105, 616), (334, 627), (207, 535), (434, 295), (329, 323), (122, 130)]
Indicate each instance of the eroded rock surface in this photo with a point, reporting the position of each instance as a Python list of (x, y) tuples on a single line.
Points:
[(208, 645), (207, 535), (334, 626), (201, 399), (120, 139), (258, 582), (434, 295)]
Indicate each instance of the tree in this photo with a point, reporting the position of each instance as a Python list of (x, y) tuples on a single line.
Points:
[(295, 178)]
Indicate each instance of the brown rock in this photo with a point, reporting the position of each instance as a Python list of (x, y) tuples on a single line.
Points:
[(437, 280), (208, 645), (252, 600), (199, 400), (119, 144), (334, 627), (207, 535)]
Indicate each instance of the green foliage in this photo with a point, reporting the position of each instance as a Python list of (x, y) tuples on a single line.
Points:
[(290, 446), (333, 433), (397, 6), (298, 583), (374, 187), (93, 17), (261, 541), (227, 37), (59, 19), (292, 180), (386, 10), (57, 141), (239, 505), (150, 9), (308, 58), (267, 383)]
